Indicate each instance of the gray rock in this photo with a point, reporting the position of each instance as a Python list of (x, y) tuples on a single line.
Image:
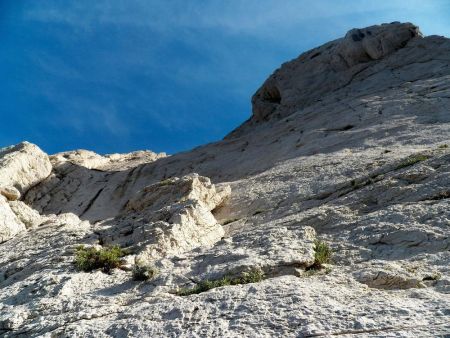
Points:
[(328, 68)]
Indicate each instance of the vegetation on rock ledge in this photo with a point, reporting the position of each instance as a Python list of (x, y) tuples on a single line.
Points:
[(252, 276), (142, 272), (106, 259), (322, 255), (413, 159)]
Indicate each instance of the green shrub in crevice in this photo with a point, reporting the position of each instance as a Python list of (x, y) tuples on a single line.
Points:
[(91, 258), (411, 160), (322, 255), (168, 181), (253, 276), (143, 272)]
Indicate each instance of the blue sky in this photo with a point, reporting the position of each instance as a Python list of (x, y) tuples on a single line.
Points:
[(166, 75)]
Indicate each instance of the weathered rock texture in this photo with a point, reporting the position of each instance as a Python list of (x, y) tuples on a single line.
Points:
[(328, 68), (169, 217), (21, 167), (348, 144), (111, 162)]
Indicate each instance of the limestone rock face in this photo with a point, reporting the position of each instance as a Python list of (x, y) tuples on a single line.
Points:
[(23, 166), (275, 250), (315, 73), (91, 160), (348, 145), (10, 225), (169, 217), (28, 216)]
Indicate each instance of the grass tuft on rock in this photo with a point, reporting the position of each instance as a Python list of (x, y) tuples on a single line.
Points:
[(253, 276), (411, 160), (91, 258), (322, 255), (143, 272), (168, 181)]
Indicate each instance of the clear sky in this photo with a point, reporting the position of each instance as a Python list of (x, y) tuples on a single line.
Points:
[(165, 75)]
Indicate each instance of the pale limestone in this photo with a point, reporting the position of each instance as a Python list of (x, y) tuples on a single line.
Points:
[(22, 166), (10, 225), (170, 217), (109, 162), (28, 216)]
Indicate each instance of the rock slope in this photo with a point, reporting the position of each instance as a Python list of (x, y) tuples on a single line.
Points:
[(348, 144)]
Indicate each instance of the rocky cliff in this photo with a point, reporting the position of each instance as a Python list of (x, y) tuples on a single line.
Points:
[(347, 152)]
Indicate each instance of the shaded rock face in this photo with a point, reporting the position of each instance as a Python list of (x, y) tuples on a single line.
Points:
[(315, 73), (348, 145)]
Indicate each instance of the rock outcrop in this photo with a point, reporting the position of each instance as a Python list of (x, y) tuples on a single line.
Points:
[(110, 162), (21, 167), (328, 68), (348, 150), (10, 225), (169, 217)]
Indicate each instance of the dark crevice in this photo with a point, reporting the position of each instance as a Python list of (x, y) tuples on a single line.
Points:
[(272, 94), (344, 128), (440, 196), (91, 202)]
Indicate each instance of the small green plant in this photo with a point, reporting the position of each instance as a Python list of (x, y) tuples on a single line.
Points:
[(142, 272), (443, 146), (106, 259), (167, 181), (252, 276), (204, 286), (322, 255), (413, 159)]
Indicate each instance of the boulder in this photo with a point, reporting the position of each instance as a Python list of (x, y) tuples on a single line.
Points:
[(22, 166), (169, 217), (28, 216), (10, 225)]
